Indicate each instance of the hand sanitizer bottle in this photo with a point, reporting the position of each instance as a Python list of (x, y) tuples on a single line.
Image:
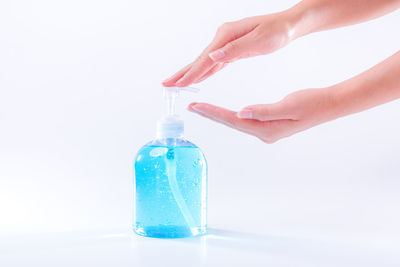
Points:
[(170, 180)]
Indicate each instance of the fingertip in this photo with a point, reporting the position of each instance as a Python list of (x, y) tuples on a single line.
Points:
[(202, 108), (167, 83), (198, 107), (190, 107)]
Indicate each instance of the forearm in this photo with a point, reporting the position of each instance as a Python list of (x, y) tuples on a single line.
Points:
[(317, 15), (374, 87)]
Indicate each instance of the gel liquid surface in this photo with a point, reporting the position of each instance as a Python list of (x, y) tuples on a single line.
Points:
[(171, 181)]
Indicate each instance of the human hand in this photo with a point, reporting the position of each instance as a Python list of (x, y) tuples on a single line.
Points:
[(270, 122), (235, 40)]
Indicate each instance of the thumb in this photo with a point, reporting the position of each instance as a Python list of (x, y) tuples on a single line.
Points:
[(265, 112), (233, 50)]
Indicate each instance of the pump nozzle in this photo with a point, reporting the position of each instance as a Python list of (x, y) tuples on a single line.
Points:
[(171, 93), (170, 125)]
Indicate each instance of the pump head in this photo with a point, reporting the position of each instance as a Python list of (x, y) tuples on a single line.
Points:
[(171, 126), (170, 95)]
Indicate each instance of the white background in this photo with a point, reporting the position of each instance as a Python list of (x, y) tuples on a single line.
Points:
[(80, 93)]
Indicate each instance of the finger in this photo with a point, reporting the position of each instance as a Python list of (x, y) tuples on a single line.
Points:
[(213, 70), (224, 116), (204, 63), (199, 68), (267, 112), (236, 49), (172, 80), (267, 131)]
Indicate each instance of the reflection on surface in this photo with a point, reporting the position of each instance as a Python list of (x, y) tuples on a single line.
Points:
[(283, 246), (249, 241)]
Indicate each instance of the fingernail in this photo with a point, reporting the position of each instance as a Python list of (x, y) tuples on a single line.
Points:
[(245, 114), (217, 54)]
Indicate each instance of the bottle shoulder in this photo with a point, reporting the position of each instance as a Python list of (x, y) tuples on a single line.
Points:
[(161, 146), (170, 142)]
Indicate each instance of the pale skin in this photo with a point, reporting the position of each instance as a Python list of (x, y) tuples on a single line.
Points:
[(302, 109)]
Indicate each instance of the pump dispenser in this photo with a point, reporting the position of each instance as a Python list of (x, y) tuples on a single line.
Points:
[(170, 180)]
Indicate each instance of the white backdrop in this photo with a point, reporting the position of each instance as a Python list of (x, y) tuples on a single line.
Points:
[(80, 93)]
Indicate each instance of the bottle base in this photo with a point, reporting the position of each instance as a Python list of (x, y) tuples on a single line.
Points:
[(169, 231)]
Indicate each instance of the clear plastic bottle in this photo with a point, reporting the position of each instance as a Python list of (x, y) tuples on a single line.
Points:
[(170, 182)]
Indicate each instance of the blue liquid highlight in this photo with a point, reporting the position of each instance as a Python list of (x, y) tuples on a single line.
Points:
[(171, 189)]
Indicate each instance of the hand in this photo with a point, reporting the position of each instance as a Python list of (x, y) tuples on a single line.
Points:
[(270, 122), (235, 40)]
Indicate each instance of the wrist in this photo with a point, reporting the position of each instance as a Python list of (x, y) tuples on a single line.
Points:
[(299, 20), (338, 101)]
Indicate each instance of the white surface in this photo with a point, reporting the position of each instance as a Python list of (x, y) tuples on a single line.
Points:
[(78, 77), (219, 248)]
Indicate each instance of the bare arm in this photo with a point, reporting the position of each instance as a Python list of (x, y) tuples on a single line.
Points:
[(373, 87), (318, 15)]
